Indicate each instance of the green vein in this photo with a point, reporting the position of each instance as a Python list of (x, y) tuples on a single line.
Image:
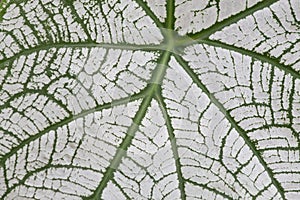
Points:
[(241, 132), (231, 20), (3, 7), (170, 21), (121, 151), (67, 120), (44, 168), (156, 79), (123, 46), (149, 13), (210, 189), (69, 3), (121, 189), (257, 56), (11, 134), (172, 139)]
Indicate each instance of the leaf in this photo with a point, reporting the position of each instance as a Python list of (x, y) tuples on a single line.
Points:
[(140, 99)]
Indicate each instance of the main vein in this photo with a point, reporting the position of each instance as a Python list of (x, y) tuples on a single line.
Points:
[(123, 46), (67, 120), (231, 20), (153, 86), (173, 142), (241, 132)]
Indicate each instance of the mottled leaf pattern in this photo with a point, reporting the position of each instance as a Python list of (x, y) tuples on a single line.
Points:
[(142, 99)]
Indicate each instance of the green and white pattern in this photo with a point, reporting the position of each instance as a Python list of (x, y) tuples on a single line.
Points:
[(149, 99)]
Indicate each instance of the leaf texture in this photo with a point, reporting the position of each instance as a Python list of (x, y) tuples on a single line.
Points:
[(140, 99)]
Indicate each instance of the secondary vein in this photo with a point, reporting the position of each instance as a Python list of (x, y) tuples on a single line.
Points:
[(241, 132)]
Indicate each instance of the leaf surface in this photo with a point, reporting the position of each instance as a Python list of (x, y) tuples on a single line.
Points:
[(140, 99)]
